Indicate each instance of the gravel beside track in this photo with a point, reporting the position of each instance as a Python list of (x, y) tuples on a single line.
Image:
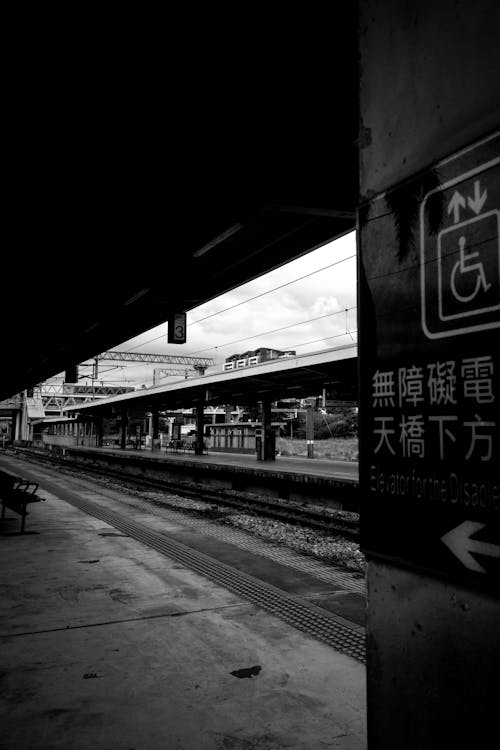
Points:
[(322, 553)]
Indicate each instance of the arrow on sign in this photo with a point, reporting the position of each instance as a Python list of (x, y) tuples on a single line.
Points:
[(459, 542), (457, 201), (479, 199)]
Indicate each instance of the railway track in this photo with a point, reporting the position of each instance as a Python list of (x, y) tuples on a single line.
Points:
[(335, 522)]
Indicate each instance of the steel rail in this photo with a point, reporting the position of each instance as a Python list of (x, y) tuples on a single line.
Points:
[(332, 522)]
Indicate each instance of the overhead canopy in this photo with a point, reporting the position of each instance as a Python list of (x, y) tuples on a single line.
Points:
[(141, 192), (290, 377)]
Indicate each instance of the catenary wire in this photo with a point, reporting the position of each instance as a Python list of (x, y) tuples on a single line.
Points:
[(275, 330), (296, 346), (262, 294), (243, 302), (250, 299)]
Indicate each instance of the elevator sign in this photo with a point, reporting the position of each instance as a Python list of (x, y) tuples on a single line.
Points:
[(430, 370), (460, 264)]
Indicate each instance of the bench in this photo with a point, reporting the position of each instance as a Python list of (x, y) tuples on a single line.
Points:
[(16, 494), (174, 446)]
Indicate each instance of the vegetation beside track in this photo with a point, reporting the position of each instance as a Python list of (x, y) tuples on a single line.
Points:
[(338, 449)]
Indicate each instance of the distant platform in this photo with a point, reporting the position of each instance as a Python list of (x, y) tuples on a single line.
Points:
[(332, 482)]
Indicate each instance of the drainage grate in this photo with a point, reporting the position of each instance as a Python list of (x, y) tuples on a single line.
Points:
[(303, 616)]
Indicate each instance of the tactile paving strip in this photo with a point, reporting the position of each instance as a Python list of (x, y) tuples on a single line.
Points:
[(301, 615), (265, 548), (246, 541)]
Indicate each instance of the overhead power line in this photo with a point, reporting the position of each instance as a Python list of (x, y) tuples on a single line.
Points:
[(137, 357), (325, 338), (276, 330), (294, 346), (274, 289), (251, 299)]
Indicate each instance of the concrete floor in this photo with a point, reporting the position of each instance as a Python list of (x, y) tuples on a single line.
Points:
[(108, 644)]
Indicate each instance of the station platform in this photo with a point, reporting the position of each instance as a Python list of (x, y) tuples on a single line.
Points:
[(331, 468), (289, 477), (113, 636)]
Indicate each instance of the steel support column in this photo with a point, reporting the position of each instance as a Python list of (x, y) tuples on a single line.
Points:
[(310, 431), (200, 425), (99, 428), (268, 435), (13, 426), (17, 426), (124, 425)]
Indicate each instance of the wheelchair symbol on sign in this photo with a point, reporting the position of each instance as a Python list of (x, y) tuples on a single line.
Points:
[(464, 267)]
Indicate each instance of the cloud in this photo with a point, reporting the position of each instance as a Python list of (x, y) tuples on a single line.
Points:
[(325, 305), (251, 312)]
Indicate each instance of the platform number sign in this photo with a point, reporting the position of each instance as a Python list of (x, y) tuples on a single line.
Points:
[(177, 328), (430, 370)]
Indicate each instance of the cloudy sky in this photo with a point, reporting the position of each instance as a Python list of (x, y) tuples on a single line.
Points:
[(310, 308)]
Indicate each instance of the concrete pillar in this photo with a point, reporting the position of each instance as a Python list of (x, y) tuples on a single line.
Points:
[(124, 425), (310, 431), (200, 426), (429, 187)]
